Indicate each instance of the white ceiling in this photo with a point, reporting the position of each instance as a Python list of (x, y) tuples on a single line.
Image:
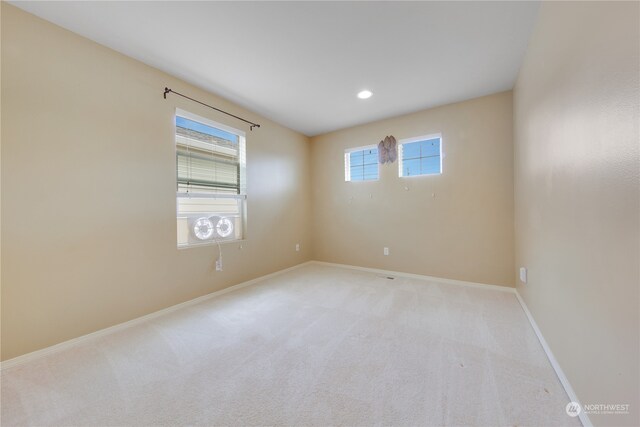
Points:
[(302, 63)]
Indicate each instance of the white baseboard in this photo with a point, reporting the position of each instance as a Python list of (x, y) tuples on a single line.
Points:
[(16, 361), (584, 418), (419, 276)]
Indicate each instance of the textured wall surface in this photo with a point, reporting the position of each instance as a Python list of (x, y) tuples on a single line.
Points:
[(457, 225), (577, 195), (88, 190)]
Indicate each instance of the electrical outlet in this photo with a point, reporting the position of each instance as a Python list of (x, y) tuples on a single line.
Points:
[(386, 251), (297, 247), (218, 264), (523, 274)]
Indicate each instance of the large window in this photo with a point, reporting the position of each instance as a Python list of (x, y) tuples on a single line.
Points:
[(210, 165), (361, 164), (420, 156)]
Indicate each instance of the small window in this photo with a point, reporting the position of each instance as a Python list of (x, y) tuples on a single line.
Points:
[(210, 181), (361, 164), (420, 156)]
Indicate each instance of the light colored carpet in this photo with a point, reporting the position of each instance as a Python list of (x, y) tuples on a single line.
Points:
[(315, 346)]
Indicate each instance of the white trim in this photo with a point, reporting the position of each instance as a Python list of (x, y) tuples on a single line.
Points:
[(205, 121), (197, 195), (584, 418), (20, 360), (25, 358), (419, 276), (347, 167), (364, 147), (420, 138)]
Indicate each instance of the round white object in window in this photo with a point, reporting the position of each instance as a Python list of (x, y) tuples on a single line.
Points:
[(203, 228), (224, 227)]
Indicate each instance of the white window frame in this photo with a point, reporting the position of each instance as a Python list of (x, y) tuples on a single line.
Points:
[(347, 163), (242, 143), (418, 139)]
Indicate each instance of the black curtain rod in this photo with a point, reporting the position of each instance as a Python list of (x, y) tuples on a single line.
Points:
[(251, 124)]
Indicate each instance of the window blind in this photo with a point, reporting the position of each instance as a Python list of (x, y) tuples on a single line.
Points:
[(210, 181), (207, 163)]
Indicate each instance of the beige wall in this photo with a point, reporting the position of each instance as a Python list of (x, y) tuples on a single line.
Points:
[(88, 193), (577, 195), (88, 190), (457, 225)]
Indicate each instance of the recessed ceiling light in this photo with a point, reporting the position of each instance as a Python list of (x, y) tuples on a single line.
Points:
[(365, 94)]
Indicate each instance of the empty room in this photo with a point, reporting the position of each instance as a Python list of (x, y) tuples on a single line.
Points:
[(320, 213)]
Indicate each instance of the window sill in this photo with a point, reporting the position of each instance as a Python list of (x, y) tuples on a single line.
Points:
[(421, 175), (211, 243)]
